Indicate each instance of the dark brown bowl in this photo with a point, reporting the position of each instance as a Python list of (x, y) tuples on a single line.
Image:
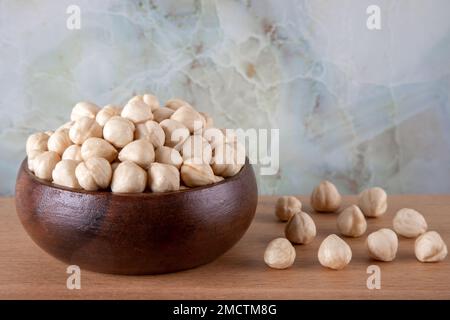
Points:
[(142, 233)]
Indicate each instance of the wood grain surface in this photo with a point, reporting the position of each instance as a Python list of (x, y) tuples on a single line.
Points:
[(26, 272)]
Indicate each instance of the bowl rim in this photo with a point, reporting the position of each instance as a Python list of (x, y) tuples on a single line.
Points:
[(145, 193)]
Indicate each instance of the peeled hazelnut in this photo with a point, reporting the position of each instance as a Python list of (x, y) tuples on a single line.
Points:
[(325, 197), (119, 131), (44, 164), (189, 117), (30, 158), (139, 151), (218, 179), (73, 152), (84, 109), (106, 113), (64, 174), (382, 245), (161, 114), (351, 222), (37, 141), (128, 178), (286, 207), (409, 223), (94, 174), (430, 247), (214, 136), (163, 177), (59, 141), (279, 254), (176, 133), (300, 228), (151, 100), (373, 202), (168, 155), (137, 110), (228, 160), (98, 148), (151, 131), (196, 147), (176, 104), (209, 122), (334, 252), (83, 129), (195, 174)]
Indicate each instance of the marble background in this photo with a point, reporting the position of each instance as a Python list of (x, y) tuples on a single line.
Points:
[(354, 106)]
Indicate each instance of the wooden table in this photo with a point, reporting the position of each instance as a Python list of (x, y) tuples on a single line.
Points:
[(26, 272)]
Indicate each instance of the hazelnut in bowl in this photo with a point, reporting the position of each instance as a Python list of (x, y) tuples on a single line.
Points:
[(95, 221)]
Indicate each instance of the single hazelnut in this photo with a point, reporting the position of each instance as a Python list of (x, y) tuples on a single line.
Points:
[(94, 174), (195, 173), (168, 155), (334, 253), (176, 104), (286, 207), (128, 178), (409, 223), (151, 131), (429, 247), (279, 254), (161, 114), (30, 158), (84, 109), (151, 100), (228, 159), (175, 132), (300, 228), (382, 245), (72, 152), (119, 131), (64, 174), (189, 117), (325, 197), (37, 141), (139, 151), (373, 202), (98, 148), (59, 141), (351, 222), (44, 164), (197, 147), (137, 110), (83, 129), (163, 177), (106, 113)]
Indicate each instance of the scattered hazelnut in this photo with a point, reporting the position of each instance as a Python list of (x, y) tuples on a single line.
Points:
[(334, 252), (37, 141), (59, 141), (189, 117), (161, 114), (300, 228), (409, 223), (137, 110), (351, 222), (106, 113), (83, 129), (84, 109), (325, 197), (44, 164), (119, 131), (429, 247), (196, 147), (373, 202), (279, 254), (98, 148), (72, 152), (382, 245), (64, 174), (195, 174), (151, 100), (94, 174), (286, 207), (168, 155), (128, 178), (176, 133), (176, 103), (139, 151), (151, 131), (163, 177)]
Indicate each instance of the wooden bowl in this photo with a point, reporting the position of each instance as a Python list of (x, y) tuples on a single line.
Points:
[(141, 233)]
